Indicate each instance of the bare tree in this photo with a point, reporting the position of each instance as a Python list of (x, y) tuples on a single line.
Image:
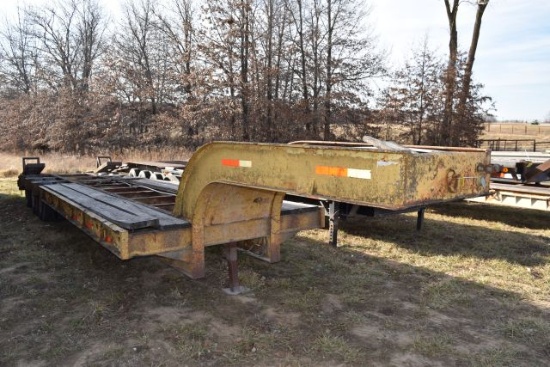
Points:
[(450, 75), (220, 52), (70, 35), (245, 12), (297, 13), (178, 26), (351, 56), (270, 42), (450, 130), (59, 47), (470, 116), (91, 29), (414, 101), (18, 54), (228, 50), (467, 78), (141, 54)]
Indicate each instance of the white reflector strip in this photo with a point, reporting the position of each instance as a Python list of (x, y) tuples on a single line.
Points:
[(236, 163), (245, 164), (359, 173)]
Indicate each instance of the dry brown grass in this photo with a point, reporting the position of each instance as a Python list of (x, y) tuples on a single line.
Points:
[(10, 165), (512, 130)]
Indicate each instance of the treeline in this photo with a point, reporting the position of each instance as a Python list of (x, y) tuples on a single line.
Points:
[(179, 73)]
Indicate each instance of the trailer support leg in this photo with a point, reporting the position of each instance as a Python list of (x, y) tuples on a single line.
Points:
[(230, 253), (333, 217), (420, 219)]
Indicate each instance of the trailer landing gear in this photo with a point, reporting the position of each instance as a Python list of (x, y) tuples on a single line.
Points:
[(230, 254)]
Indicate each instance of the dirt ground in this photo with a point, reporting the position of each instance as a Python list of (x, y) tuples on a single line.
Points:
[(471, 289)]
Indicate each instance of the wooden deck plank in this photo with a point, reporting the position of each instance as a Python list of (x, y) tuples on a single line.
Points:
[(125, 204), (123, 212), (115, 211)]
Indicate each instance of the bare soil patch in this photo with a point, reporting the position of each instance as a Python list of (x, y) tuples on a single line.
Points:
[(471, 289)]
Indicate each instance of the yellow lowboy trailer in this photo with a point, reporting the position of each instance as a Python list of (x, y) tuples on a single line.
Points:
[(231, 194)]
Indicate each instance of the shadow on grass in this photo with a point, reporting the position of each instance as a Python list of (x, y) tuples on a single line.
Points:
[(10, 197), (438, 237), (516, 217)]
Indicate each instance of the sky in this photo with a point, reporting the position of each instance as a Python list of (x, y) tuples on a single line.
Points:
[(513, 55)]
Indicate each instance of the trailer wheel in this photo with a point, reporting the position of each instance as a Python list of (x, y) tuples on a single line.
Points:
[(28, 198), (35, 203), (46, 213), (145, 174)]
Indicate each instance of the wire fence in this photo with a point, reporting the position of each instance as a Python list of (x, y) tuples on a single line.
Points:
[(517, 129), (517, 145)]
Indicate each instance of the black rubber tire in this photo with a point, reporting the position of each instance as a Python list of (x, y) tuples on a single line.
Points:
[(46, 213)]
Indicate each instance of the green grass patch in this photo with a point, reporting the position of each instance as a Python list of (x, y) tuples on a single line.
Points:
[(433, 346)]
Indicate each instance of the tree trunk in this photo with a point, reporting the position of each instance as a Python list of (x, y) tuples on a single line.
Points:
[(245, 29), (305, 93), (467, 78), (269, 73), (328, 81), (446, 131)]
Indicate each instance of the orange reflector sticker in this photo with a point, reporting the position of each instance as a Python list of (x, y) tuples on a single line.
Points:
[(236, 163), (364, 174), (230, 162), (331, 171)]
